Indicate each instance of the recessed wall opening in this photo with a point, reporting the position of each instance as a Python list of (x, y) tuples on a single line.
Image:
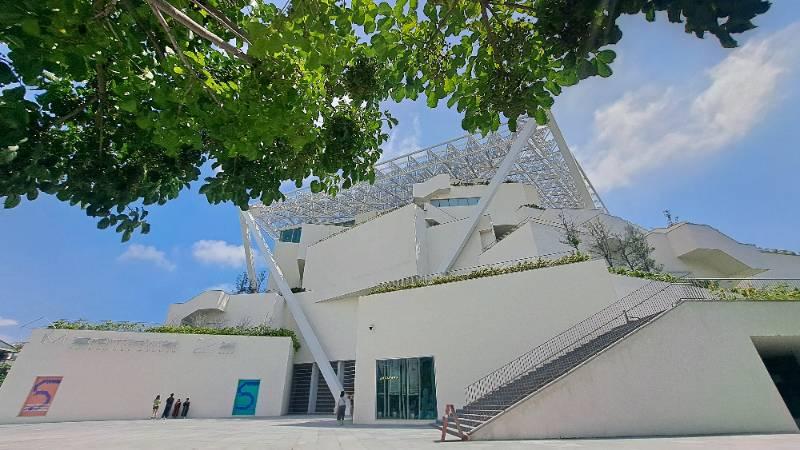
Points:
[(781, 357)]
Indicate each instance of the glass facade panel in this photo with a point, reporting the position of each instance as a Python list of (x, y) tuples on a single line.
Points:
[(460, 201), (291, 235), (405, 389)]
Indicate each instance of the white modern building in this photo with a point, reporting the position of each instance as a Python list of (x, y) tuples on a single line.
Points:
[(436, 286)]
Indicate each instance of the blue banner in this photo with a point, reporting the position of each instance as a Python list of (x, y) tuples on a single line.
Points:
[(246, 396)]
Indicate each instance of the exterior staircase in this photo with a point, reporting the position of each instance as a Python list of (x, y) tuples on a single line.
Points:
[(487, 407), (505, 387)]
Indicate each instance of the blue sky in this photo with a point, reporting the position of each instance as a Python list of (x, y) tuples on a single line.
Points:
[(710, 133)]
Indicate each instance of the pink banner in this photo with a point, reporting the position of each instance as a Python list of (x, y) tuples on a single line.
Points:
[(40, 397)]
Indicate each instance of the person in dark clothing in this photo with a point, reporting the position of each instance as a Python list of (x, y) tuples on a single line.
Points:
[(185, 409), (168, 406), (176, 409)]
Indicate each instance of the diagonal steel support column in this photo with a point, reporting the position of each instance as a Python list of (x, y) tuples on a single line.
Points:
[(575, 170), (248, 253), (520, 141), (295, 308)]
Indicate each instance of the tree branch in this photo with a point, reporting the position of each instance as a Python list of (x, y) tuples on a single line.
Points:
[(151, 37), (439, 24), (223, 20), (174, 42), (76, 111), (101, 97), (106, 11), (499, 20), (489, 32), (168, 31), (198, 29)]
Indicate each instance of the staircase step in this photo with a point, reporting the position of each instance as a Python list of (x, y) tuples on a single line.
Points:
[(493, 403)]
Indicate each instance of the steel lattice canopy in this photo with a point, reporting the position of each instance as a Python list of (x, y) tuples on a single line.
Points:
[(471, 158)]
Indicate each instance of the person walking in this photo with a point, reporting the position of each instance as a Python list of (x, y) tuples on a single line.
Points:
[(177, 409), (168, 406), (342, 405), (185, 409), (156, 404)]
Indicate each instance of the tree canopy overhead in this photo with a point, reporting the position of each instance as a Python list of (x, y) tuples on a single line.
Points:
[(113, 105)]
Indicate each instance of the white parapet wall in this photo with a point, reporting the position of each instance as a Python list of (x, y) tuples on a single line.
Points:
[(694, 371), (116, 375), (472, 327)]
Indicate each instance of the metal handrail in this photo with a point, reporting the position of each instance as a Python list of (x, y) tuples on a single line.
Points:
[(648, 301), (644, 301)]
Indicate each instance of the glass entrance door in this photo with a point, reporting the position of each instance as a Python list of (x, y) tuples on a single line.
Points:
[(405, 389)]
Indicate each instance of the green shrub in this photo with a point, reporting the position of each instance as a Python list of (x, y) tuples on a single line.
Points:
[(480, 273), (4, 368), (655, 276), (777, 292), (258, 330)]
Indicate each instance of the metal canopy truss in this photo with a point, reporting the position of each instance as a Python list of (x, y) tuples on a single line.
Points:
[(472, 158)]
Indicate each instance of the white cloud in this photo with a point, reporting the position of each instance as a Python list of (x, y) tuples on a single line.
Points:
[(5, 322), (401, 142), (657, 126), (219, 253), (148, 253)]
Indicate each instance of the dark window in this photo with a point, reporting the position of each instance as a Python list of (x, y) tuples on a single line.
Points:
[(459, 201), (291, 235), (405, 389)]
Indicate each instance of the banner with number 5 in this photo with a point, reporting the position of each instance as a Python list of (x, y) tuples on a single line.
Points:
[(244, 404), (40, 397)]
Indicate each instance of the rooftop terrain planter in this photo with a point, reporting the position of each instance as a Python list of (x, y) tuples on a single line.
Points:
[(138, 327), (479, 273)]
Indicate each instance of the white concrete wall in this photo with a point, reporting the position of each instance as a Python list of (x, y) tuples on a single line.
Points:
[(694, 371), (208, 301), (120, 378), (442, 240), (503, 208), (706, 252), (232, 310), (286, 255), (375, 251), (516, 245), (334, 323), (472, 327)]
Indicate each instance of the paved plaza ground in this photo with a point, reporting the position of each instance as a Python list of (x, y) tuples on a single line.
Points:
[(319, 433)]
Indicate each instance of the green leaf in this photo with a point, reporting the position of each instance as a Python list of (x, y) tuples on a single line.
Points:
[(606, 56), (540, 115), (104, 223), (602, 68), (385, 9), (11, 201), (130, 105), (433, 99), (6, 75), (30, 26)]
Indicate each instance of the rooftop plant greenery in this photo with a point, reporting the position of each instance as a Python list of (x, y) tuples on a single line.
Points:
[(655, 276), (114, 105), (775, 292), (479, 273), (258, 330)]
